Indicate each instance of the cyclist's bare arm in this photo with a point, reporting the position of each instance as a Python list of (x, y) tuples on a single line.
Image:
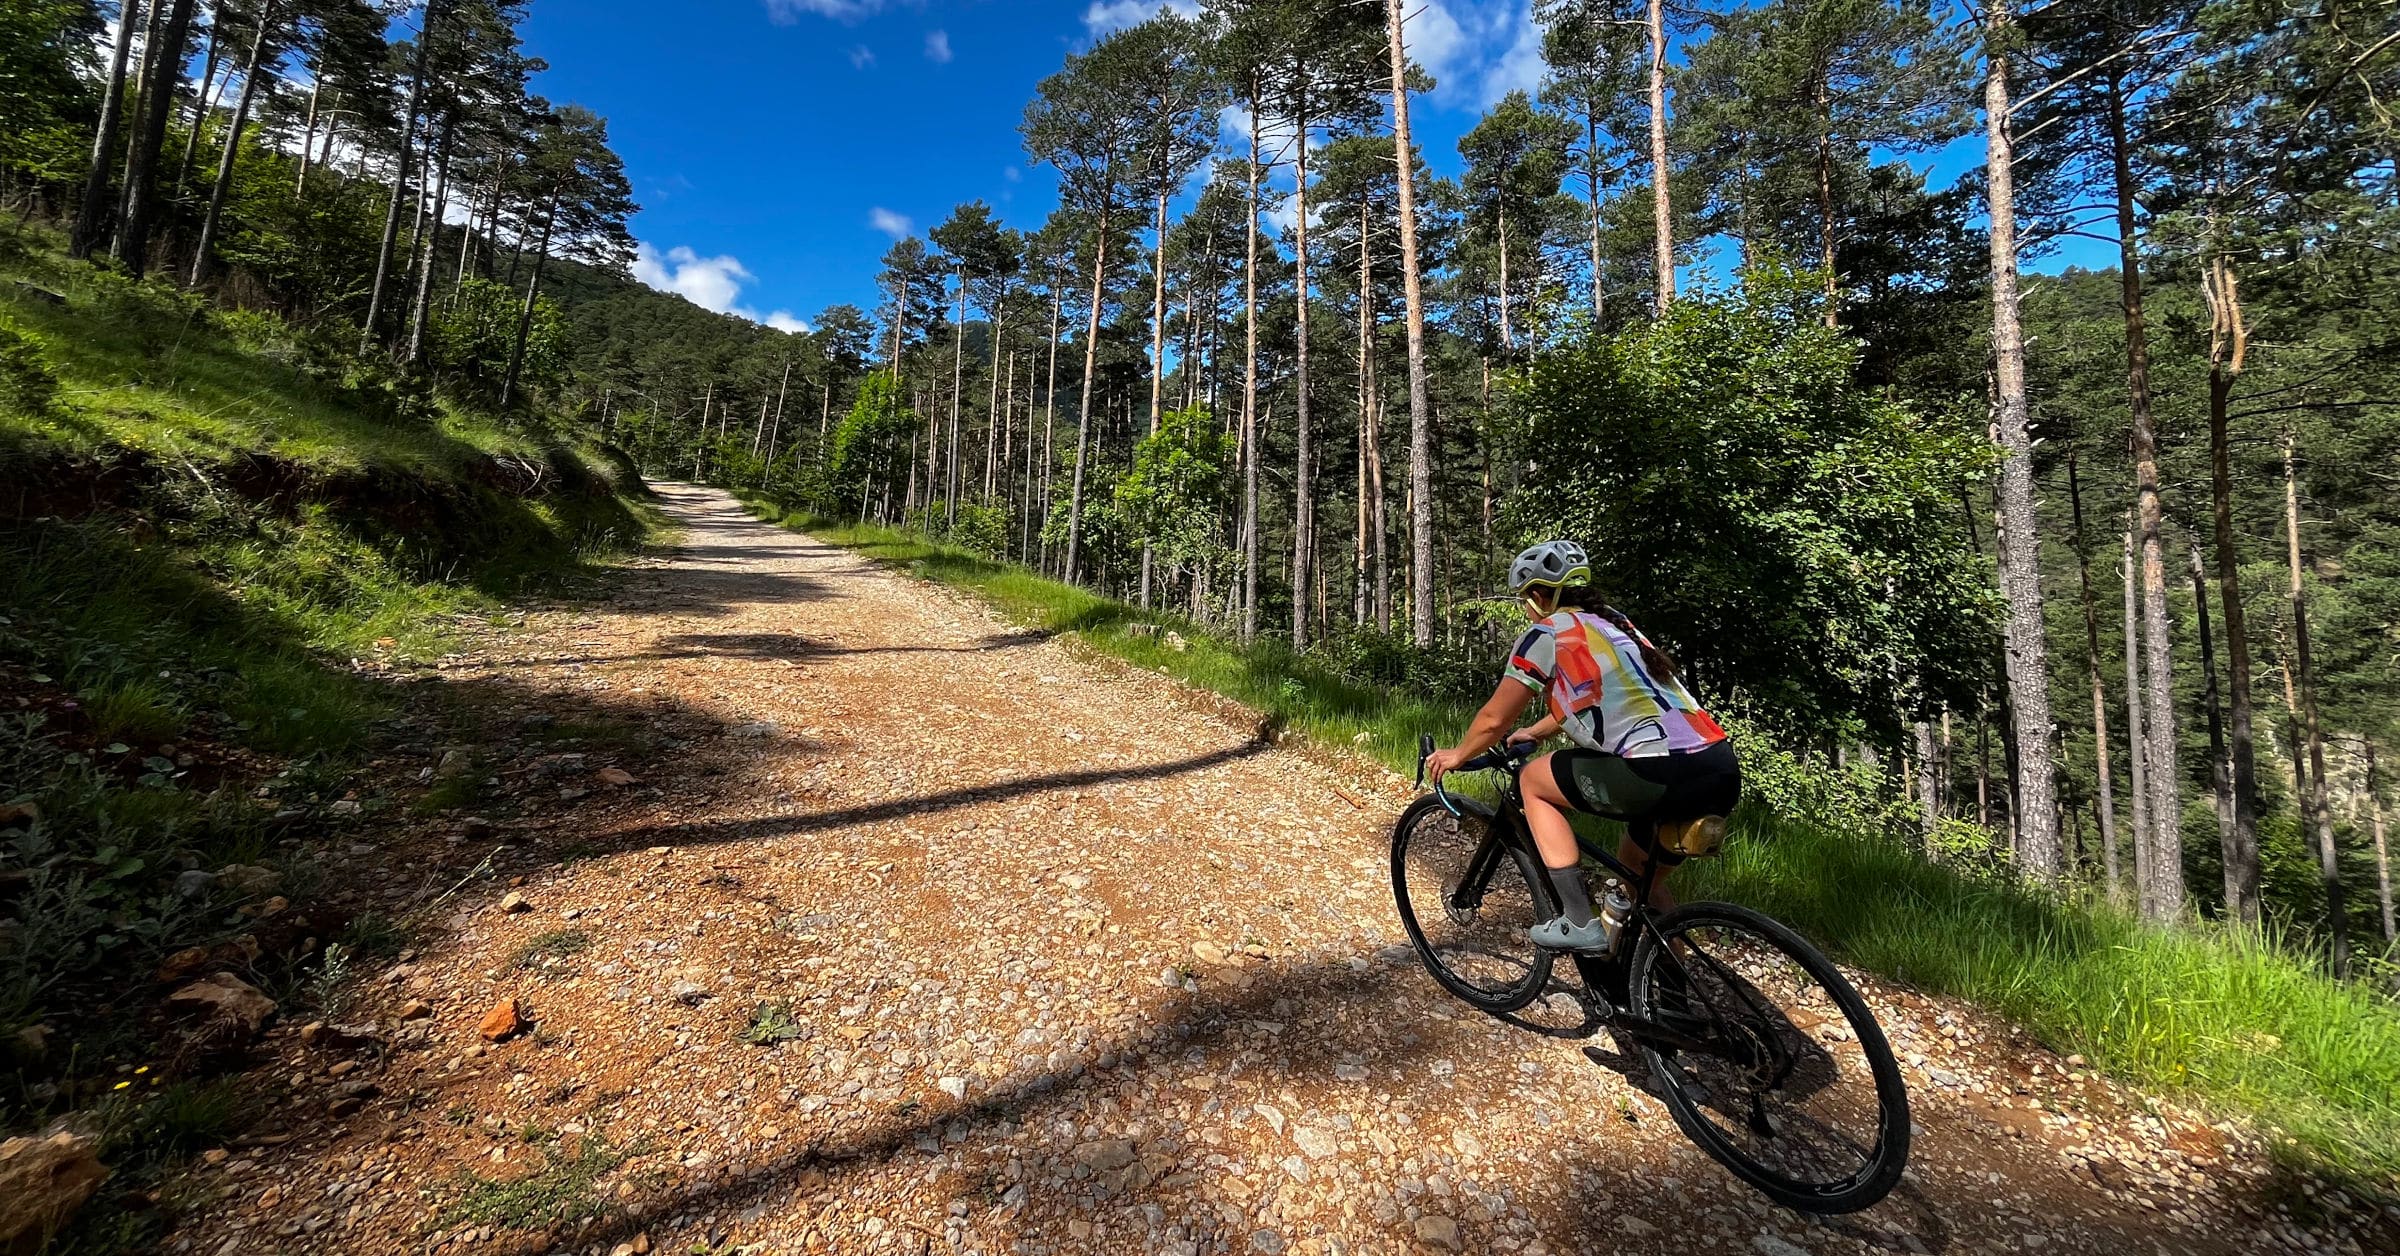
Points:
[(1499, 714)]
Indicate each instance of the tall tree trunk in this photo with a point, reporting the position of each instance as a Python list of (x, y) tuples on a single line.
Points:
[(1366, 417), (1058, 298), (233, 142), (2229, 342), (991, 412), (775, 433), (2091, 642), (1158, 343), (92, 214), (2318, 806), (1661, 210), (1928, 787), (421, 309), (308, 133), (2162, 893), (1083, 418), (958, 366), (2219, 779), (141, 179), (533, 289), (1420, 409), (391, 216), (1304, 505), (2138, 762), (201, 93), (2383, 854), (1508, 340), (2028, 656), (1593, 177), (1249, 437)]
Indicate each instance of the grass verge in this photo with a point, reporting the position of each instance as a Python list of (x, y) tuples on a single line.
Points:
[(2227, 1021)]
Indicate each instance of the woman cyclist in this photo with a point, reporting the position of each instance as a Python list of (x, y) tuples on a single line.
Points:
[(1643, 751)]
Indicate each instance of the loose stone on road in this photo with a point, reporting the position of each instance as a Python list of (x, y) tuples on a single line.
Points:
[(925, 933)]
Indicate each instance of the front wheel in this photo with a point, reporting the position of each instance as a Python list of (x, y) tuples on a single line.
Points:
[(1467, 898), (1800, 1096)]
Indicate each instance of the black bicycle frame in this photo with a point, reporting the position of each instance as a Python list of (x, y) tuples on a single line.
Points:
[(1497, 845)]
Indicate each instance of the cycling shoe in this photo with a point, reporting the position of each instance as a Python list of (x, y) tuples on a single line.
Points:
[(1557, 935)]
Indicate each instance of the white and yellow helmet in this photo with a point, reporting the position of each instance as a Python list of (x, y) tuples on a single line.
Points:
[(1553, 563)]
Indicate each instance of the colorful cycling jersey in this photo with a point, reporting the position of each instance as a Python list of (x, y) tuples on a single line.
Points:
[(1603, 697)]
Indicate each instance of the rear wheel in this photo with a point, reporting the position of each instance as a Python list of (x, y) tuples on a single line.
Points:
[(1467, 897), (1802, 1098)]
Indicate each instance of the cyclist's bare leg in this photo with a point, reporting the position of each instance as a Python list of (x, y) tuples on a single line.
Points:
[(1631, 854), (1546, 810), (1546, 814)]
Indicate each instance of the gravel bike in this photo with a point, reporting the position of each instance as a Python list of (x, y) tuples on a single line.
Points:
[(1764, 1053)]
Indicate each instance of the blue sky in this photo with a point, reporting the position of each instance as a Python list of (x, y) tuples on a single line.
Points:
[(777, 147)]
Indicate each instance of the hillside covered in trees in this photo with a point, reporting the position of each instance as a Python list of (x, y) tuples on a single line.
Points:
[(1693, 302), (2056, 607)]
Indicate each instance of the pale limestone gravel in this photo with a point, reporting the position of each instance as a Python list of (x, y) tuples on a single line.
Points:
[(975, 864)]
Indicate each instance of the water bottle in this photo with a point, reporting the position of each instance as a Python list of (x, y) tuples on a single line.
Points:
[(1615, 910)]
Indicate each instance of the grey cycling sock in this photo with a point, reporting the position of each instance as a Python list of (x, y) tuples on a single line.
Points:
[(1567, 883)]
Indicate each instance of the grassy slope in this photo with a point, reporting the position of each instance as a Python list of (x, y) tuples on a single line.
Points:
[(200, 537), (2227, 1021)]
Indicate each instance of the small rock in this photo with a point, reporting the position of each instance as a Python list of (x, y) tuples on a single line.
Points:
[(415, 1009), (1316, 1142), (689, 993), (758, 731), (504, 1021), (193, 882), (513, 902), (1266, 1241), (1467, 1144), (1350, 1072), (43, 1182), (1439, 1232), (34, 1041), (183, 965), (1102, 1155), (248, 879), (474, 827), (614, 778), (1209, 952), (1770, 1245), (344, 807), (223, 996), (955, 1087)]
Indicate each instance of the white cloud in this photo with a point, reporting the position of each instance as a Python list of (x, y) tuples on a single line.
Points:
[(861, 57), (1012, 174), (1477, 50), (712, 283), (889, 223), (788, 11), (1106, 17), (937, 47)]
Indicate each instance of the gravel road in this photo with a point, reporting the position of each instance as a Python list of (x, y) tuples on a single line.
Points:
[(914, 932)]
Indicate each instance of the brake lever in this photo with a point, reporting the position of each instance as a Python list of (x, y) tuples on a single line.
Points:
[(1424, 752)]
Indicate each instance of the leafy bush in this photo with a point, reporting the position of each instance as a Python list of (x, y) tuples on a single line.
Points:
[(983, 528)]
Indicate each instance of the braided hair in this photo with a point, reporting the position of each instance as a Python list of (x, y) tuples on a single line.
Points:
[(1583, 597)]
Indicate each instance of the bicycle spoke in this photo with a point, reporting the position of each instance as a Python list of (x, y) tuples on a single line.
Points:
[(1787, 1088), (1469, 904)]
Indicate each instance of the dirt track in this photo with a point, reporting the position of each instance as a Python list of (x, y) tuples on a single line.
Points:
[(970, 868)]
